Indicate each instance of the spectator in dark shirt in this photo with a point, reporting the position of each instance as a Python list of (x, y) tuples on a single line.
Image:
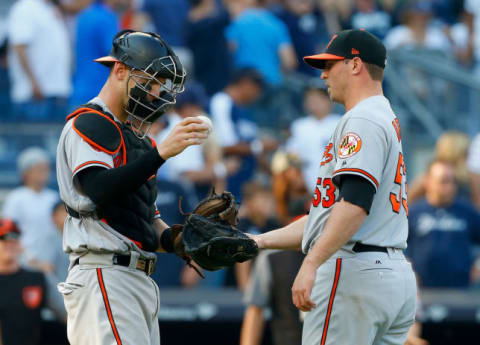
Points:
[(204, 37), (368, 16), (23, 293), (237, 132), (307, 28), (443, 231), (96, 25)]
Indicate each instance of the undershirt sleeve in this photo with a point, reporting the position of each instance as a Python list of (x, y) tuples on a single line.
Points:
[(102, 185), (357, 190)]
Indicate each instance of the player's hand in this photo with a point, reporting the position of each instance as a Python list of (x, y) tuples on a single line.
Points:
[(302, 286), (190, 131)]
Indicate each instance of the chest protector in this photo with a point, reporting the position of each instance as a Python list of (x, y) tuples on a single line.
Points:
[(132, 214)]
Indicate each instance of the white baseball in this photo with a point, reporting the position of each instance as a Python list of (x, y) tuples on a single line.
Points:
[(206, 120)]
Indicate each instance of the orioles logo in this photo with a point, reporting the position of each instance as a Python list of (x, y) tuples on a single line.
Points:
[(32, 296), (350, 145)]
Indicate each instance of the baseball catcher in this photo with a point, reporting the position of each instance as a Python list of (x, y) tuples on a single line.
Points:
[(209, 235)]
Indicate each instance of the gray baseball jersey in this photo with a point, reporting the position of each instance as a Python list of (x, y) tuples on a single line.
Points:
[(366, 142), (377, 285), (96, 292), (86, 234)]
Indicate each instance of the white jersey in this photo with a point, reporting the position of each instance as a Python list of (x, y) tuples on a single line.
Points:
[(87, 233), (367, 143)]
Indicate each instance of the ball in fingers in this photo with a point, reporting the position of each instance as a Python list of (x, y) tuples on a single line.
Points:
[(206, 120)]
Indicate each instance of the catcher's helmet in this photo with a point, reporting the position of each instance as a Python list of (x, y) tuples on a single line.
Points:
[(149, 58)]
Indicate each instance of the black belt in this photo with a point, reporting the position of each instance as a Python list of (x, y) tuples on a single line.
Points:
[(360, 248), (144, 265)]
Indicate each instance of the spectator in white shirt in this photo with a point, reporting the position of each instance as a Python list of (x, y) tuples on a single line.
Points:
[(39, 60), (198, 167), (30, 207), (311, 134)]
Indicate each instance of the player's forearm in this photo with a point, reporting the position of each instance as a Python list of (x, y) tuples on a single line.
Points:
[(161, 226), (343, 222), (252, 327), (288, 237)]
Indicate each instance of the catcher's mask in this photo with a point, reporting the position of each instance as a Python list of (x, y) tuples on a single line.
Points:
[(152, 63)]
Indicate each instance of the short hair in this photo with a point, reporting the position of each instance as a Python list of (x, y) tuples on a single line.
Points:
[(375, 72), (248, 73), (452, 146)]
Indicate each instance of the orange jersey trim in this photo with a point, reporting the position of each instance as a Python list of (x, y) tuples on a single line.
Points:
[(363, 172), (107, 306), (338, 269), (93, 144), (91, 163)]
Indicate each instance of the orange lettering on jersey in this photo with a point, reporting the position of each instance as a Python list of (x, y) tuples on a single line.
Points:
[(327, 156), (329, 188), (396, 125), (32, 296)]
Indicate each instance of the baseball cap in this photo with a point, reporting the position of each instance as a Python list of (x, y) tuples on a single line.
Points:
[(8, 230), (348, 44), (31, 157)]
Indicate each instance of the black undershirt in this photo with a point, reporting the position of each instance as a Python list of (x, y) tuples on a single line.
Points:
[(103, 185), (356, 190)]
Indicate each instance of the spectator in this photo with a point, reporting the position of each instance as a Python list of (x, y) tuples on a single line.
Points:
[(256, 216), (30, 207), (236, 132), (291, 196), (168, 18), (442, 231), (418, 30), (258, 39), (310, 135), (270, 287), (96, 26), (23, 293), (452, 147), (307, 28), (39, 60), (199, 167), (204, 37), (473, 165), (367, 15), (472, 19)]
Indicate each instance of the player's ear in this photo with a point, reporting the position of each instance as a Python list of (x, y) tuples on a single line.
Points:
[(120, 71), (357, 65)]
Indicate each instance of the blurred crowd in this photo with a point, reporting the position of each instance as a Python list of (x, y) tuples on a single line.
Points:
[(272, 119)]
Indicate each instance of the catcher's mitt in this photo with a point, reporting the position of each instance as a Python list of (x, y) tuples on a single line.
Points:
[(210, 236)]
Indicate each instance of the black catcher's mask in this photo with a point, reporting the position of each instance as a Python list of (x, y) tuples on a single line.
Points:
[(152, 62)]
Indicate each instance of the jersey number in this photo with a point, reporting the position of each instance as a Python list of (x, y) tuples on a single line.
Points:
[(329, 197), (398, 201)]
